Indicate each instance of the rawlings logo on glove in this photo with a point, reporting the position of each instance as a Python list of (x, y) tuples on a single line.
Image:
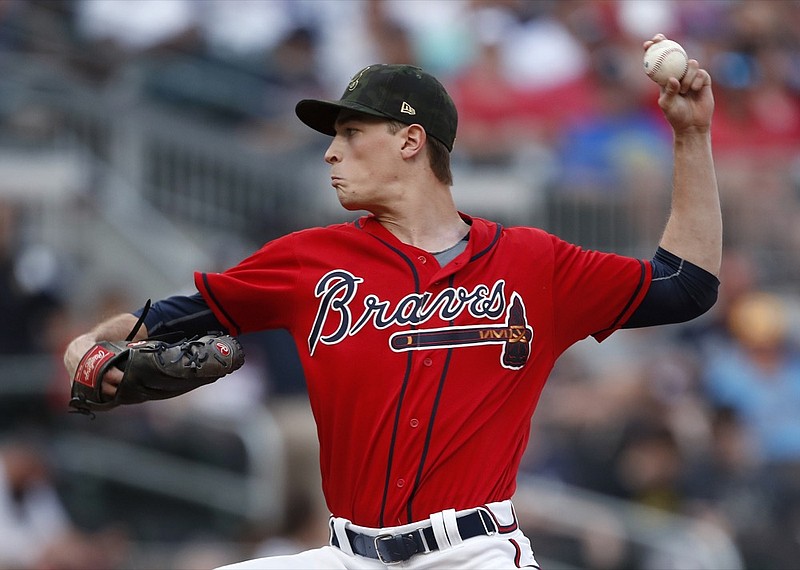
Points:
[(90, 364), (152, 369)]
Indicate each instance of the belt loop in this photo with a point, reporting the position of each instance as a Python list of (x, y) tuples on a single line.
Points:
[(451, 527), (504, 516), (426, 548), (339, 529), (437, 524), (487, 520)]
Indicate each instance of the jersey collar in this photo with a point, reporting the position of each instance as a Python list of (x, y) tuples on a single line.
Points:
[(482, 232)]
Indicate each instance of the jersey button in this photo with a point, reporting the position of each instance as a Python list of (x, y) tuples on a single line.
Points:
[(423, 259), (414, 422), (428, 361), (401, 482)]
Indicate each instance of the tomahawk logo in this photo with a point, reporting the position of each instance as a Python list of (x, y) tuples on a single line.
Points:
[(514, 336)]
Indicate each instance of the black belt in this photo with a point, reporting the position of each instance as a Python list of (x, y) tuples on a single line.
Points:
[(395, 548)]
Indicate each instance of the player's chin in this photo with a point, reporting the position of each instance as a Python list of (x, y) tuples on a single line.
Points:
[(348, 201)]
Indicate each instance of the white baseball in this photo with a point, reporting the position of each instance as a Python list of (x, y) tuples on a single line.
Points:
[(665, 59)]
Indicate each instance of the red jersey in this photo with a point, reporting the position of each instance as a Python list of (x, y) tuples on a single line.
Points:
[(423, 379)]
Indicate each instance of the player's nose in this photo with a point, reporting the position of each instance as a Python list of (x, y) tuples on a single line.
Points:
[(332, 155)]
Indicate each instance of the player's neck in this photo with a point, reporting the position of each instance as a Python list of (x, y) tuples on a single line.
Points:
[(433, 224)]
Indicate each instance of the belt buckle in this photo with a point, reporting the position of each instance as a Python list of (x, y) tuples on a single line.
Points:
[(378, 550)]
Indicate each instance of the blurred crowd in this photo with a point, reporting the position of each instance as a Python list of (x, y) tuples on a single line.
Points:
[(699, 419)]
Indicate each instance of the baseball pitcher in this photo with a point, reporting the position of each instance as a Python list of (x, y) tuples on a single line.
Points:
[(426, 334)]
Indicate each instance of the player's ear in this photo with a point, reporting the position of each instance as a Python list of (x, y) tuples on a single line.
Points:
[(414, 140)]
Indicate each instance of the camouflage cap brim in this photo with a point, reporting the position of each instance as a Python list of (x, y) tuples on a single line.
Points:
[(321, 115)]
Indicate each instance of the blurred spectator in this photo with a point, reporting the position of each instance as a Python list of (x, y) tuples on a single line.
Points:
[(27, 294), (649, 465), (489, 105), (538, 50), (355, 34), (600, 147), (579, 419), (289, 74), (391, 38), (35, 529), (438, 35), (757, 374), (758, 108), (726, 487), (32, 515), (134, 27), (613, 158), (241, 30), (528, 74), (113, 34)]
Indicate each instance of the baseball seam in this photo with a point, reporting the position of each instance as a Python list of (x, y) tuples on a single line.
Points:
[(660, 60)]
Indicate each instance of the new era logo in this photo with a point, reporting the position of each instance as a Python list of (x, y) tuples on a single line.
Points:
[(407, 109)]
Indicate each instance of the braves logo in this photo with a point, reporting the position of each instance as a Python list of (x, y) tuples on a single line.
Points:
[(354, 81), (337, 289)]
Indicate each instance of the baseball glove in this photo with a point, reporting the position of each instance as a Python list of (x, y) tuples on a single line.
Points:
[(152, 369)]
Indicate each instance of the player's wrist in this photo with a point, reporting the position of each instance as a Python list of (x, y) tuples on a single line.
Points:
[(75, 351), (693, 134)]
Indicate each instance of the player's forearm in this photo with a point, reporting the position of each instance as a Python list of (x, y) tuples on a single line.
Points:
[(115, 328), (694, 228)]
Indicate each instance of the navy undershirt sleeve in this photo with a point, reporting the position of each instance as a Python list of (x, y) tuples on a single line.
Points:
[(189, 315), (679, 291)]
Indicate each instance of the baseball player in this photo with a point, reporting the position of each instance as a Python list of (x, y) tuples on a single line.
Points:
[(427, 335)]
